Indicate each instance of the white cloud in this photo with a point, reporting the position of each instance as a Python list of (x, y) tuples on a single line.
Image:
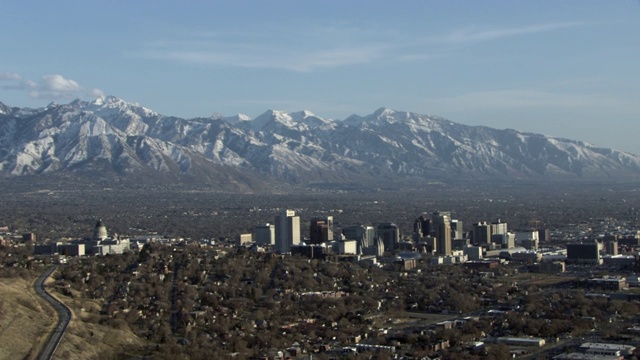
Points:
[(51, 87)]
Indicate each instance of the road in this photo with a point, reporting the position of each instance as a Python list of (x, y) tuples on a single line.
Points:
[(64, 317)]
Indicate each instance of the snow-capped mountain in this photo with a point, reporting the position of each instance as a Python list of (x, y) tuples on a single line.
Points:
[(111, 136)]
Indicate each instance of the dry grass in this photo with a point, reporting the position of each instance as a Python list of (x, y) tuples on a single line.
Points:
[(25, 319), (541, 280), (86, 339)]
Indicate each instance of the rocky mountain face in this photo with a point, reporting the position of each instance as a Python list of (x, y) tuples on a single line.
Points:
[(111, 136)]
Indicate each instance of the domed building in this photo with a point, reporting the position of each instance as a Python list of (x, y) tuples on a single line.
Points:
[(102, 243), (100, 231)]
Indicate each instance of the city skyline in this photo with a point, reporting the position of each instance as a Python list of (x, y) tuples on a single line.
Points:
[(560, 69)]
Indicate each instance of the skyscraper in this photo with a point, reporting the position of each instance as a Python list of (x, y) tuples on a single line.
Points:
[(422, 226), (441, 226), (584, 252), (456, 229), (481, 233), (528, 239), (287, 231), (321, 230), (611, 244), (265, 234), (390, 235), (364, 235), (498, 227)]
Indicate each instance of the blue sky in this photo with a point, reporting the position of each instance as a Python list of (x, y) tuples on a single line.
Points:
[(560, 68)]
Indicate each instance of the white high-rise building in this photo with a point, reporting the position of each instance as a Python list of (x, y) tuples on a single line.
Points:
[(287, 231), (456, 229), (498, 227), (441, 224), (528, 239)]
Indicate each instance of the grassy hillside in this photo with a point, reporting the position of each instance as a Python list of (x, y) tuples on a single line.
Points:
[(25, 319)]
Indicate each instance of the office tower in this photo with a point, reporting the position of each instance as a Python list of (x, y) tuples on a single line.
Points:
[(265, 234), (321, 230), (29, 237), (287, 231), (456, 229), (441, 226), (506, 240), (481, 233), (390, 236), (611, 245), (354, 232), (498, 227), (364, 235), (422, 226), (369, 236), (543, 235), (369, 240), (584, 252), (379, 248), (473, 252), (528, 239)]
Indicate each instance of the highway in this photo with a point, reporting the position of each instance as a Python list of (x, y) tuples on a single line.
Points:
[(64, 317)]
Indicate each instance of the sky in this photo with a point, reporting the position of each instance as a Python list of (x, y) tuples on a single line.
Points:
[(565, 68)]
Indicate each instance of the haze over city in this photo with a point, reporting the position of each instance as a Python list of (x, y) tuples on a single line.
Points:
[(564, 69)]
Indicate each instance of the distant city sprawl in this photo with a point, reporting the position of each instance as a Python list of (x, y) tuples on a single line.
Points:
[(486, 272)]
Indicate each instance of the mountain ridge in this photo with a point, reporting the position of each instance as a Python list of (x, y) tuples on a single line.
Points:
[(110, 135)]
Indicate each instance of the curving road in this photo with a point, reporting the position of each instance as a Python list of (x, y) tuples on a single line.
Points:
[(64, 317)]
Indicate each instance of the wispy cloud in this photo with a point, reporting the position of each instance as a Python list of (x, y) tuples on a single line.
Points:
[(9, 76), (51, 87), (294, 55), (476, 34), (308, 49), (528, 99)]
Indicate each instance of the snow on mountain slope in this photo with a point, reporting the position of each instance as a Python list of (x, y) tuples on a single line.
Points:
[(112, 135), (5, 110)]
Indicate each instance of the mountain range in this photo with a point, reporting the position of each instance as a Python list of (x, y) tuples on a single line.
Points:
[(111, 137)]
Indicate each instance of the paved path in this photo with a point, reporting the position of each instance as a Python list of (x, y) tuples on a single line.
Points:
[(64, 317)]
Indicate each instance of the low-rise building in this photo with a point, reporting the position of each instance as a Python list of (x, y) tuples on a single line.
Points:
[(607, 283), (619, 261), (473, 252), (554, 267), (348, 247), (405, 264), (482, 264), (526, 256), (521, 341), (607, 349), (583, 356), (245, 239), (71, 249)]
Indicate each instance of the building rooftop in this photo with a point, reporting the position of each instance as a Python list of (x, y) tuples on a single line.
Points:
[(607, 346)]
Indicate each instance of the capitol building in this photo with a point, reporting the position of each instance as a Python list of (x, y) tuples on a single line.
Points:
[(99, 244), (102, 244)]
